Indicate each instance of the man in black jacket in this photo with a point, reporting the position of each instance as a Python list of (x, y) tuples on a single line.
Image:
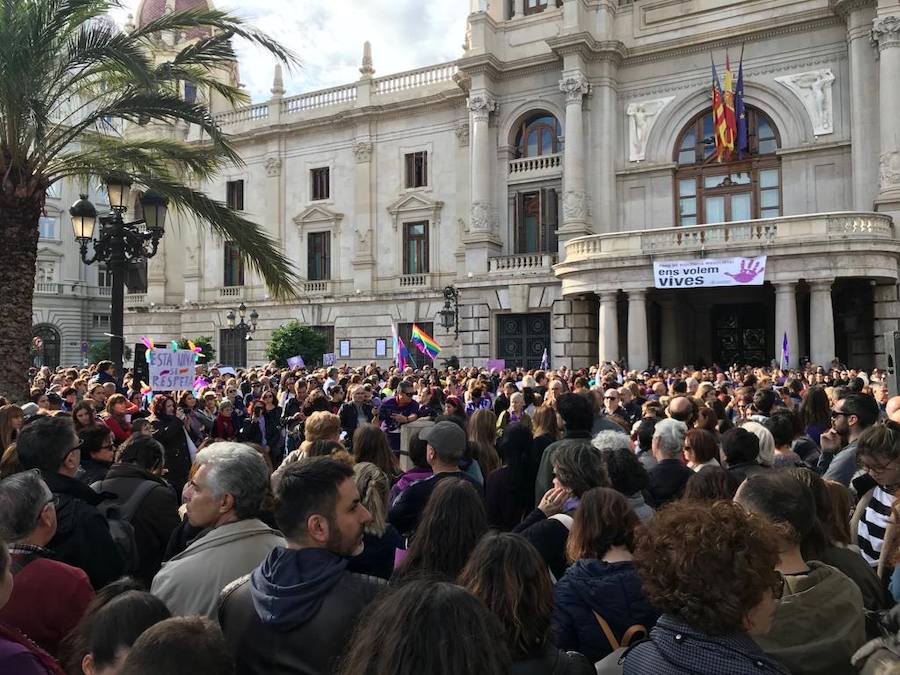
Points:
[(295, 612), (136, 482), (668, 478), (82, 536)]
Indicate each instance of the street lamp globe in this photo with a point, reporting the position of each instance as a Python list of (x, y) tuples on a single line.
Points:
[(154, 207), (254, 317), (84, 218), (118, 189)]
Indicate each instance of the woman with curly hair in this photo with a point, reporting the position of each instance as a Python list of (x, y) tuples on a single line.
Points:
[(169, 428), (711, 570), (602, 584), (508, 575)]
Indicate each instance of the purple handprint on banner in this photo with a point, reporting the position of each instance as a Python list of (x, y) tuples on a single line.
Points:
[(750, 269)]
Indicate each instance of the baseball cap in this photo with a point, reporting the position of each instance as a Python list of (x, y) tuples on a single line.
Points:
[(447, 438)]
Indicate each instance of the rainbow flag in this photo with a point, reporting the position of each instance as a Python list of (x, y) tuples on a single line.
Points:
[(425, 343)]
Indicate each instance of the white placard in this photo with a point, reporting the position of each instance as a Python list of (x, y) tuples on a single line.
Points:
[(711, 272), (171, 370)]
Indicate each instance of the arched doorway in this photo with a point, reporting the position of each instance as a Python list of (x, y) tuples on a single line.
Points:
[(45, 346)]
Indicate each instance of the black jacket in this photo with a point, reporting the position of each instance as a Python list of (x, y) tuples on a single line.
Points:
[(156, 516), (295, 613), (171, 433), (82, 536), (549, 536), (93, 470), (548, 660), (666, 481), (410, 504), (350, 419)]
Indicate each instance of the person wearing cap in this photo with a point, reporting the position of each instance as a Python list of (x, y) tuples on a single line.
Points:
[(446, 446)]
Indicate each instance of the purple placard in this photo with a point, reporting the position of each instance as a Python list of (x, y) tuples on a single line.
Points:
[(296, 362), (499, 364)]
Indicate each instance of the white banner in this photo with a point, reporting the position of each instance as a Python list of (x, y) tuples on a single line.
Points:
[(711, 272), (171, 371)]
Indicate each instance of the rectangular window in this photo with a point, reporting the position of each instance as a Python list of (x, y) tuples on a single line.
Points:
[(232, 348), (687, 201), (54, 190), (415, 248), (769, 194), (234, 195), (47, 227), (404, 330), (100, 321), (104, 276), (234, 266), (537, 219), (535, 6), (417, 169), (190, 92), (321, 183), (318, 256)]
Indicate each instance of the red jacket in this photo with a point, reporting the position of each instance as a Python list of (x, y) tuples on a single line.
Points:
[(121, 431), (224, 428), (48, 598)]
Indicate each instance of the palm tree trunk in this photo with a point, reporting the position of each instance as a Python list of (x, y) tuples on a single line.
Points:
[(19, 236)]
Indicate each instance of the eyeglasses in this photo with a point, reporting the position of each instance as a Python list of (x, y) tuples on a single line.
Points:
[(874, 468), (77, 447), (610, 398)]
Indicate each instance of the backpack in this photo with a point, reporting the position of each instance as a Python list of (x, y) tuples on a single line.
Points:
[(611, 664), (118, 517)]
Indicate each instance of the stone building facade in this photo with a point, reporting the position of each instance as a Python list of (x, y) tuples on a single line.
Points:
[(545, 171)]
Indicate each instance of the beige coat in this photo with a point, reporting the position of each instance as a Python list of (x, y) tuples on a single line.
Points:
[(891, 536), (190, 582)]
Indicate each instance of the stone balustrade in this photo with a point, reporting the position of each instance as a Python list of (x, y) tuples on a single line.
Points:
[(413, 79), (413, 280), (319, 99), (231, 292), (317, 287), (536, 263), (250, 113), (529, 168), (723, 237), (135, 300)]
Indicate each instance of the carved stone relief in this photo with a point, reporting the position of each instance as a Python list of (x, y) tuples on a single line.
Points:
[(641, 118), (814, 91)]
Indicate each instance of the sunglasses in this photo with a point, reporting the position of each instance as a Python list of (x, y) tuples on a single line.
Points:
[(837, 413)]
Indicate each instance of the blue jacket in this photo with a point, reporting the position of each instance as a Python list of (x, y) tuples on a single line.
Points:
[(674, 648), (612, 590)]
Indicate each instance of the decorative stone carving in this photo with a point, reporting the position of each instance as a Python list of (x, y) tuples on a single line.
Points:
[(641, 118), (362, 150), (890, 169), (273, 166), (814, 91), (886, 31), (482, 105), (482, 217), (575, 87), (576, 206), (367, 70), (462, 133)]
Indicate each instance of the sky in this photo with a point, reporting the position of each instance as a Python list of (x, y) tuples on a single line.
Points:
[(328, 36)]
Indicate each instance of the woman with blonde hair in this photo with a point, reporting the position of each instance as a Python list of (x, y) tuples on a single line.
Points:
[(544, 428), (320, 426), (482, 433), (381, 539)]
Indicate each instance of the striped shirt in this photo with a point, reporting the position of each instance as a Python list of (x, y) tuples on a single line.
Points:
[(873, 524)]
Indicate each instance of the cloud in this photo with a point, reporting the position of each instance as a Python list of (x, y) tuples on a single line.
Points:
[(328, 36)]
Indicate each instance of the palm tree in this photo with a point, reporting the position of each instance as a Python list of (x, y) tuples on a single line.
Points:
[(68, 76)]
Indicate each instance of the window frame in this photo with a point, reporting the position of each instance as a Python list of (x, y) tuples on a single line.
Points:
[(700, 171), (314, 173), (232, 265), (325, 237), (234, 194), (538, 7), (530, 124), (424, 257), (412, 173)]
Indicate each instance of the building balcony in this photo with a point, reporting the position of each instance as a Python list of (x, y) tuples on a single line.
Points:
[(49, 288), (529, 169), (133, 300), (819, 245), (522, 263), (414, 280), (231, 292), (318, 287)]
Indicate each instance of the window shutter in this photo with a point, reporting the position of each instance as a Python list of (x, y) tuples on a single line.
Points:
[(549, 219)]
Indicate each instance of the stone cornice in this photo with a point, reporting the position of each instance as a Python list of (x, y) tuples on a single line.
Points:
[(588, 48), (843, 8), (481, 64)]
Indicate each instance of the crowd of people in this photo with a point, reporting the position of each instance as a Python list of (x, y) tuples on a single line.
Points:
[(374, 521)]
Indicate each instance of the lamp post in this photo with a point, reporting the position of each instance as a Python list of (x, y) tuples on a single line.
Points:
[(245, 328), (450, 313), (117, 244)]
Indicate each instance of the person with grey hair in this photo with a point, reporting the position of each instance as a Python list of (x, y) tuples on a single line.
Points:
[(49, 597), (607, 441), (225, 497), (668, 478)]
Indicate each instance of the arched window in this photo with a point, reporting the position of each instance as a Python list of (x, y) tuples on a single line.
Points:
[(538, 134), (738, 188), (48, 353)]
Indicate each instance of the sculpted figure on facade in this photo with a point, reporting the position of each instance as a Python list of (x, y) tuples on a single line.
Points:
[(641, 118), (462, 133), (576, 206), (482, 217), (890, 169), (814, 91), (575, 87), (362, 150), (273, 166)]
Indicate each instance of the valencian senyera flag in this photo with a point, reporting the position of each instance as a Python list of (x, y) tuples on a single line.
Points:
[(426, 344)]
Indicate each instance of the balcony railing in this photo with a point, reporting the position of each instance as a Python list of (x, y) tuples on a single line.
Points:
[(534, 263), (322, 287), (48, 288), (231, 292), (319, 99), (529, 168), (724, 237), (250, 113), (414, 280), (135, 299), (104, 291), (412, 79)]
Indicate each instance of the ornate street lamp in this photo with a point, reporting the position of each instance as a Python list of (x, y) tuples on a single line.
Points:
[(245, 328), (450, 313), (117, 244)]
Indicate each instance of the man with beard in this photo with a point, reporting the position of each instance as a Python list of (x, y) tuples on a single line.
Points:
[(850, 416), (294, 613)]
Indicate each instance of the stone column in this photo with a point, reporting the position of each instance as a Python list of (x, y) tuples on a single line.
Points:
[(483, 241), (670, 349), (576, 207), (638, 356), (609, 327), (863, 90), (821, 323), (886, 30), (363, 231), (786, 321)]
